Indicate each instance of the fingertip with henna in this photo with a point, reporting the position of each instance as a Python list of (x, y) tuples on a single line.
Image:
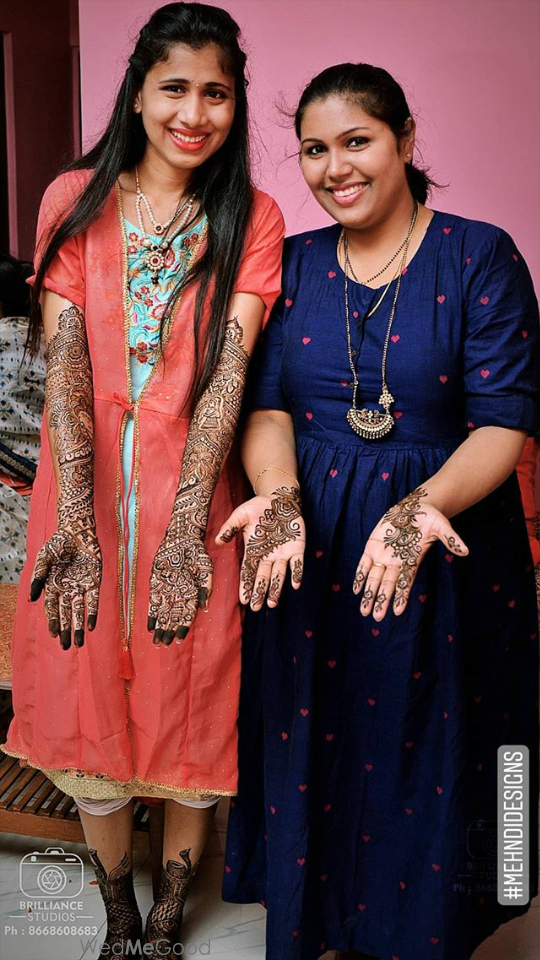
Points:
[(92, 621), (54, 628), (168, 637), (158, 637), (36, 588), (65, 639), (182, 633), (151, 625)]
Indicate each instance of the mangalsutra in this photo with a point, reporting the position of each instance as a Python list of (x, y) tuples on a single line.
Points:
[(155, 253), (373, 424)]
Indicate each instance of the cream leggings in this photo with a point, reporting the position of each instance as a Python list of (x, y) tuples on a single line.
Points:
[(100, 808)]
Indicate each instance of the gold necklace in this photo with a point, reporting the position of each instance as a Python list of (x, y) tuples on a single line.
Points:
[(372, 424)]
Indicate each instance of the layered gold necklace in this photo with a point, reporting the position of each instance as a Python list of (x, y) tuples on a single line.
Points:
[(374, 424)]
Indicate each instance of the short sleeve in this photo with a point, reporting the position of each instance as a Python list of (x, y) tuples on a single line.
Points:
[(264, 381), (260, 269), (501, 350), (65, 275)]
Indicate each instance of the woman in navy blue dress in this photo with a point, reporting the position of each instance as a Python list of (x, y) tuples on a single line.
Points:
[(396, 389)]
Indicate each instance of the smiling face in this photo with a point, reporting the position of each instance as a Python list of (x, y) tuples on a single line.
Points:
[(352, 162), (187, 107)]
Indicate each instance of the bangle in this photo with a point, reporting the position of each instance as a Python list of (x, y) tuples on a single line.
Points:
[(275, 470)]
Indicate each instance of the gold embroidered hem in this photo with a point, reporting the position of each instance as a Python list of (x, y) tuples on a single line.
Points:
[(100, 787)]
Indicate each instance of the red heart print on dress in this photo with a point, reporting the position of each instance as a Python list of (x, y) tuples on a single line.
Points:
[(361, 906), (447, 230), (309, 634), (409, 744), (301, 861), (440, 790), (309, 240), (515, 257), (398, 414), (395, 337), (450, 638), (284, 736), (385, 476), (485, 374), (409, 811), (272, 810), (329, 737), (470, 425), (435, 866), (318, 554), (323, 877), (496, 587), (422, 597), (434, 940), (524, 334), (479, 767), (445, 714), (336, 587), (375, 632), (296, 933), (449, 557), (443, 378), (511, 604), (331, 274), (355, 314), (368, 767), (366, 837), (309, 416), (371, 701), (468, 260), (441, 298), (484, 301), (344, 383), (327, 808), (331, 664), (288, 303), (333, 473), (306, 340), (302, 787), (395, 957), (228, 869), (417, 675), (304, 711), (402, 884)]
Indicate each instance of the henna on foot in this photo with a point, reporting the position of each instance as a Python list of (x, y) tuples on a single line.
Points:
[(124, 921)]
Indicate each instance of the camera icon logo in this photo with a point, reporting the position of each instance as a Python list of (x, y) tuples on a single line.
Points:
[(482, 840), (51, 874)]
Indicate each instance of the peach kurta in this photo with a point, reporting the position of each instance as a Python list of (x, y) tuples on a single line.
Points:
[(119, 716)]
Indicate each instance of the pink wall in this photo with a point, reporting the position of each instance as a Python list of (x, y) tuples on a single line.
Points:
[(469, 69)]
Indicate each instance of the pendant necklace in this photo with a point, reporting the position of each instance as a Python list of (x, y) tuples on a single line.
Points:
[(155, 253), (374, 424)]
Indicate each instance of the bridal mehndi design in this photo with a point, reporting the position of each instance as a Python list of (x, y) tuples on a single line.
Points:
[(181, 575), (68, 566), (164, 921), (405, 539), (124, 921)]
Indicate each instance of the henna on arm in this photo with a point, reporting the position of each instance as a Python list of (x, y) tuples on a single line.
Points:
[(69, 565), (182, 567)]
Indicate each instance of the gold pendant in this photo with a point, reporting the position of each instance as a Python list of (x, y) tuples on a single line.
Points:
[(372, 424)]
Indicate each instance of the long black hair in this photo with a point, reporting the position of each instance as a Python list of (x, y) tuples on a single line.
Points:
[(379, 95), (14, 290), (222, 185)]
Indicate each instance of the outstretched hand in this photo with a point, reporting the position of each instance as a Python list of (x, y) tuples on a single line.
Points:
[(180, 584), (68, 569), (274, 539), (396, 548)]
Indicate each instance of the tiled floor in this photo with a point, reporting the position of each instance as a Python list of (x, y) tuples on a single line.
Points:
[(212, 928)]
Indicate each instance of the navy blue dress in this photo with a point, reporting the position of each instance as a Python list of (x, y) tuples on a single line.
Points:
[(367, 799)]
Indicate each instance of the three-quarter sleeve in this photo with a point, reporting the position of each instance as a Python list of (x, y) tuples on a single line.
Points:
[(501, 363), (260, 269), (65, 274)]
